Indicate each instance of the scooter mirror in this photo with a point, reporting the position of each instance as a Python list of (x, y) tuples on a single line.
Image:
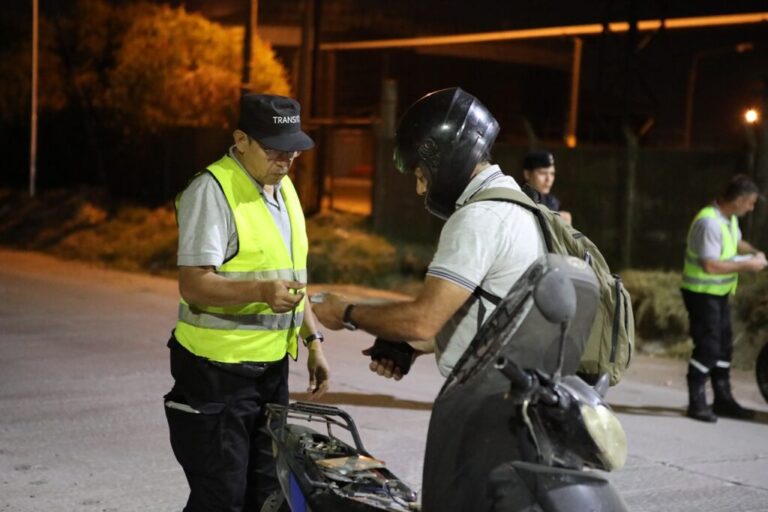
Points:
[(555, 296), (601, 386)]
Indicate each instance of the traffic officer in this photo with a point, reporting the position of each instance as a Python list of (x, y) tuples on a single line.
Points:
[(714, 256), (242, 275)]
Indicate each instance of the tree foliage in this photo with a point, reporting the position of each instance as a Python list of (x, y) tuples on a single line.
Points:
[(178, 69), (16, 69), (137, 66)]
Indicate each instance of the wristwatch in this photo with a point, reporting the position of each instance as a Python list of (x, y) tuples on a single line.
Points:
[(346, 319), (312, 337)]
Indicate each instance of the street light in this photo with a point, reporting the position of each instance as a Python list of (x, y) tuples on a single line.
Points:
[(739, 48), (751, 116)]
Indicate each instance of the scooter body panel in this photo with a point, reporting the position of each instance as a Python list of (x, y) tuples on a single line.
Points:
[(761, 371), (475, 424), (527, 487), (296, 499)]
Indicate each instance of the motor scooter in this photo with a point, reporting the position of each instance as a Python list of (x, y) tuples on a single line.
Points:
[(761, 371), (513, 428)]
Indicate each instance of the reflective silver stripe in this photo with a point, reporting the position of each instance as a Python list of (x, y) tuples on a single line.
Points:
[(288, 274), (222, 321), (180, 407), (693, 260), (698, 366), (723, 364), (694, 280)]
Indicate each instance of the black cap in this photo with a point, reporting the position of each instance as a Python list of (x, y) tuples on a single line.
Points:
[(274, 121), (538, 159)]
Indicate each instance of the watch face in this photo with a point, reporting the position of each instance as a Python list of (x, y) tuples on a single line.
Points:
[(318, 336), (346, 319)]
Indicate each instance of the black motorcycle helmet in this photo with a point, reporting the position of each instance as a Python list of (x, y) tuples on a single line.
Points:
[(447, 133)]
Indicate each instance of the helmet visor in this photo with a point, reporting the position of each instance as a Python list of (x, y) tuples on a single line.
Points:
[(402, 163)]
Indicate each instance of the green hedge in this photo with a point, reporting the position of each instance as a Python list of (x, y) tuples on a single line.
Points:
[(661, 321), (342, 249)]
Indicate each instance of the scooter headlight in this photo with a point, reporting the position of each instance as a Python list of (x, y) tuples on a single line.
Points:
[(607, 433)]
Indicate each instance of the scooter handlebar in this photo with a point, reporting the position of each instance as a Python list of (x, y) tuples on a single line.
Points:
[(518, 378)]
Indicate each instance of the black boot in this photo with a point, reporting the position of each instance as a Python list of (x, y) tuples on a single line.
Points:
[(725, 405), (697, 397)]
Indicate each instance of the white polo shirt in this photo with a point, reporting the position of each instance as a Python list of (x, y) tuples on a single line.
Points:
[(488, 244)]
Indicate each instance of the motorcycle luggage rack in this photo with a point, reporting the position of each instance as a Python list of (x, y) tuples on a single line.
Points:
[(313, 413), (333, 486)]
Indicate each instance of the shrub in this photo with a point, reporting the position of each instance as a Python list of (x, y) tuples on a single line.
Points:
[(752, 301), (661, 321), (344, 250), (135, 239), (658, 306), (751, 312)]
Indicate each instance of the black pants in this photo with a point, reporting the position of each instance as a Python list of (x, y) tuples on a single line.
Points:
[(224, 449), (710, 327)]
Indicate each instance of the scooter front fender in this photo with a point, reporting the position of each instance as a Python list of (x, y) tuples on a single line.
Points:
[(526, 487)]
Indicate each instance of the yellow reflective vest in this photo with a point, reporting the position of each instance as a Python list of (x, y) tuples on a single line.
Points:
[(695, 278), (250, 332)]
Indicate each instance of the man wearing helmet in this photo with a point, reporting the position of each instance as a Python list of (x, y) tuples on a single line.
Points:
[(445, 139)]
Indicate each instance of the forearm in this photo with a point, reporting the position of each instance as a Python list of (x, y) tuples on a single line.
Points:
[(721, 267), (202, 286), (724, 267), (310, 324), (398, 321), (412, 320), (745, 247)]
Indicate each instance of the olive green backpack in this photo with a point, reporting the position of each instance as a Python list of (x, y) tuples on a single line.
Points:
[(611, 343)]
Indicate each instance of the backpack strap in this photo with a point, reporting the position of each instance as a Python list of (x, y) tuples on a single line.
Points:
[(481, 294), (521, 199), (484, 294)]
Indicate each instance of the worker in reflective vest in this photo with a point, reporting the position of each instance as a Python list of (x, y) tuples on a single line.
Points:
[(242, 276), (714, 256)]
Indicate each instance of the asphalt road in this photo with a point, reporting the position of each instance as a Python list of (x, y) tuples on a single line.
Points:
[(83, 367)]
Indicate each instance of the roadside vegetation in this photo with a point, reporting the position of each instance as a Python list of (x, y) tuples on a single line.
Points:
[(661, 322), (126, 90), (86, 225)]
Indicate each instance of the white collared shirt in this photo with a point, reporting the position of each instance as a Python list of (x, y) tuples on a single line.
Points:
[(488, 244), (706, 236), (207, 229)]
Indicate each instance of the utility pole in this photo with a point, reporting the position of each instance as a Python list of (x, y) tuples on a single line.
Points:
[(385, 136), (33, 130), (250, 33), (310, 171), (573, 111), (307, 59), (630, 171)]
